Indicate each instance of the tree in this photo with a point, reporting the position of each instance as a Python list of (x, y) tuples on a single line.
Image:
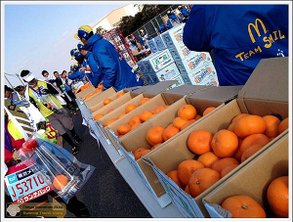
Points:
[(100, 30), (128, 24)]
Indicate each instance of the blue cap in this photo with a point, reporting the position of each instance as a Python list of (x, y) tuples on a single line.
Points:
[(81, 46), (83, 32), (77, 54), (72, 51)]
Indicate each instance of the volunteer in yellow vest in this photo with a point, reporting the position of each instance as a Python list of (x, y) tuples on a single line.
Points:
[(42, 94)]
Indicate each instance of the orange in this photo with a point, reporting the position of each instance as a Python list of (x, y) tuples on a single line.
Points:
[(173, 174), (123, 129), (260, 139), (227, 169), (155, 135), (144, 100), (187, 124), (283, 125), (134, 121), (100, 86), (107, 101), (202, 179), (242, 206), (98, 116), (159, 109), (129, 108), (186, 168), (249, 151), (272, 125), (199, 141), (60, 181), (277, 195), (138, 153), (169, 132), (224, 143), (208, 110), (145, 115), (220, 164), (179, 122), (207, 159), (120, 94), (235, 119), (248, 125), (187, 112)]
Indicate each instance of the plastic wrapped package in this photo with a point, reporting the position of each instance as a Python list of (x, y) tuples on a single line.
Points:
[(56, 169)]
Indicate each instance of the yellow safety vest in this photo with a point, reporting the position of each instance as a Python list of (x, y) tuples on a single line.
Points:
[(13, 131), (36, 95)]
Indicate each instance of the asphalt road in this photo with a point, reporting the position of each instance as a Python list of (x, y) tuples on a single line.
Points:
[(106, 194)]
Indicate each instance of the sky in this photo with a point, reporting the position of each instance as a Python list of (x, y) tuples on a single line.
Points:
[(40, 36)]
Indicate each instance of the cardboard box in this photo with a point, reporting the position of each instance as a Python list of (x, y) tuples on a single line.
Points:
[(160, 43), (265, 167), (169, 72), (93, 102), (81, 94), (205, 75), (152, 45), (100, 103), (275, 101), (136, 138), (117, 102)]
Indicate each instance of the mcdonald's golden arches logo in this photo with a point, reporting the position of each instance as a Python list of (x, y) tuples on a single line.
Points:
[(257, 23)]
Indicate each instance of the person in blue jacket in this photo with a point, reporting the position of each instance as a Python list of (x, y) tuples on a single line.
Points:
[(77, 72), (239, 36), (92, 71), (184, 12), (115, 70)]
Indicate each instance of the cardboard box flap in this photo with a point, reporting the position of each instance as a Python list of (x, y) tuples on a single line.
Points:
[(268, 81), (173, 95), (130, 89), (159, 88), (220, 94), (139, 90)]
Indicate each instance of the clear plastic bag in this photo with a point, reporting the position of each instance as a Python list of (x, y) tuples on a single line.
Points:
[(59, 166)]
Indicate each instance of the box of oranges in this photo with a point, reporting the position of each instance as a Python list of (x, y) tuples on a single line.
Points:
[(220, 144), (257, 190), (168, 123), (84, 90), (98, 96), (113, 109)]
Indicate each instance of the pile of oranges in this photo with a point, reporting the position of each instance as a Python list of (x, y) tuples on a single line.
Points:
[(244, 206), (135, 121), (156, 135), (106, 102), (97, 90), (129, 108), (217, 154)]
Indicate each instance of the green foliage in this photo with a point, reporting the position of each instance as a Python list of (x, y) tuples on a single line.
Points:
[(128, 24)]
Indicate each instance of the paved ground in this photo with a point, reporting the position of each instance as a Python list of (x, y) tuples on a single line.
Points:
[(106, 194)]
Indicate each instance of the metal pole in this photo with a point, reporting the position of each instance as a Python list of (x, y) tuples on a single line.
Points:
[(8, 81)]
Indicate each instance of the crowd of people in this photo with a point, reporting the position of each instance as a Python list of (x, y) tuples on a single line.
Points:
[(44, 108)]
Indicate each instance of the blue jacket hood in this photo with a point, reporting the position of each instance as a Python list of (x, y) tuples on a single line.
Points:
[(92, 40)]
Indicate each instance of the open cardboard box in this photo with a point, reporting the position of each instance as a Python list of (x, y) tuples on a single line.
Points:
[(82, 94), (262, 170), (99, 97), (168, 156), (134, 97), (136, 138)]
